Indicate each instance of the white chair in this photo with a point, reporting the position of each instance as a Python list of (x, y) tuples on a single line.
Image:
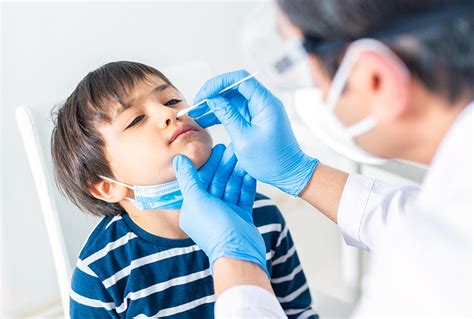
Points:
[(35, 127), (66, 226)]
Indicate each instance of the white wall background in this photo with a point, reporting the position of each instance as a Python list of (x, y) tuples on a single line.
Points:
[(46, 49)]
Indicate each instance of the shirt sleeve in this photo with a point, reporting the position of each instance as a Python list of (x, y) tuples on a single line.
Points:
[(247, 302), (368, 206), (288, 279), (88, 297)]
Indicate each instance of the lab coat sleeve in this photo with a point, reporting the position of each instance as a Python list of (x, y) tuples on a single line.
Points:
[(248, 301), (368, 206)]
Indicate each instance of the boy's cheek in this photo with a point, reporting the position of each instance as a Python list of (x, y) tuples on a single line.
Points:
[(141, 169), (146, 164)]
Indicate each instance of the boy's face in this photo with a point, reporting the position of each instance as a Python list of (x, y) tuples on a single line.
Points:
[(145, 135)]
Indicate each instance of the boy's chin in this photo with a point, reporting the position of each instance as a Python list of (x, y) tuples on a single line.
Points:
[(198, 153)]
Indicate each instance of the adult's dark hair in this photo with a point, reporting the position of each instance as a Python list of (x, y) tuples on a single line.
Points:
[(438, 49), (77, 147)]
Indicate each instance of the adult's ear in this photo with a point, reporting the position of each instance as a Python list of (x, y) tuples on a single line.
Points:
[(108, 191), (386, 83)]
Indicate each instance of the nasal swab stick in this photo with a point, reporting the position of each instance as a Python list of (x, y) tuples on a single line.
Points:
[(192, 107)]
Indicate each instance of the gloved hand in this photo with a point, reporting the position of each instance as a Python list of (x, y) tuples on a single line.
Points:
[(217, 208), (260, 130), (223, 178)]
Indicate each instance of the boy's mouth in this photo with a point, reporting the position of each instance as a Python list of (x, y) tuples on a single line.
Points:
[(183, 128)]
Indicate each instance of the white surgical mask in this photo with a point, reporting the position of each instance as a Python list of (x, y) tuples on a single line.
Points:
[(152, 197), (320, 117)]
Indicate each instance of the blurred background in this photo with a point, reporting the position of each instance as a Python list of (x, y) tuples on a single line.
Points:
[(48, 47)]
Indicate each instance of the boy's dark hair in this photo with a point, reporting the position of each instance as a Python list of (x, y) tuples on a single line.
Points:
[(77, 147), (438, 52)]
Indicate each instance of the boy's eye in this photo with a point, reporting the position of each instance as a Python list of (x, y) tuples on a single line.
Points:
[(172, 102), (135, 121)]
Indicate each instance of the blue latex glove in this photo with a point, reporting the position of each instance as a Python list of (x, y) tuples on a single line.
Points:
[(260, 130), (217, 208)]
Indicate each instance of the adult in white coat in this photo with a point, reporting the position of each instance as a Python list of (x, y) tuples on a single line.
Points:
[(398, 82)]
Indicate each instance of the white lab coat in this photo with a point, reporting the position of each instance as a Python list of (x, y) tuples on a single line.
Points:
[(421, 239)]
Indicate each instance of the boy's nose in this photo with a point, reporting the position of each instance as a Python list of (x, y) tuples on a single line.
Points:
[(166, 117)]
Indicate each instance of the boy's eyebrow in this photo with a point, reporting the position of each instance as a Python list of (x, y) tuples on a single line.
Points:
[(129, 103)]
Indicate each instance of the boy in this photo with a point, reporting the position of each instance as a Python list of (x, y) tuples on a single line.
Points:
[(118, 129)]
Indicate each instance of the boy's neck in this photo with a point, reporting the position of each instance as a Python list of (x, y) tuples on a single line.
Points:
[(161, 223)]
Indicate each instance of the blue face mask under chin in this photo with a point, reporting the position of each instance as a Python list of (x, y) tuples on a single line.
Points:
[(154, 197)]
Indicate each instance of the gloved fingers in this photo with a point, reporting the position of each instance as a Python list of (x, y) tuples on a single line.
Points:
[(207, 171), (234, 186), (223, 172), (245, 215), (228, 115), (218, 83), (207, 120), (237, 100), (257, 95), (200, 110), (252, 90), (187, 176), (247, 193)]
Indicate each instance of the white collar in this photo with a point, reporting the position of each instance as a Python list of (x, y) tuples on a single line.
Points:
[(447, 187)]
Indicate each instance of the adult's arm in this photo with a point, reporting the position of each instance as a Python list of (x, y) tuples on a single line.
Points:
[(362, 207), (243, 291)]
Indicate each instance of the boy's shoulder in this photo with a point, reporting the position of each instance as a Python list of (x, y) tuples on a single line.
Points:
[(108, 230), (266, 212)]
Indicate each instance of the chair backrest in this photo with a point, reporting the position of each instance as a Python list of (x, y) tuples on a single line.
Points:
[(66, 226), (32, 128)]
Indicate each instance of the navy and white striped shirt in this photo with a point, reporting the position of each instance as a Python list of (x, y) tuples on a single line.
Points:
[(126, 272)]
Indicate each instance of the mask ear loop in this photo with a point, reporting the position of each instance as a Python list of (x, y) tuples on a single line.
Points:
[(340, 78), (120, 183), (361, 127)]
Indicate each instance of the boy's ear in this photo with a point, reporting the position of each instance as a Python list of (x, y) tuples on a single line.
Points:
[(108, 191)]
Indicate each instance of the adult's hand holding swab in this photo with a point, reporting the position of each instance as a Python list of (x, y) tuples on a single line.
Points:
[(192, 107)]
